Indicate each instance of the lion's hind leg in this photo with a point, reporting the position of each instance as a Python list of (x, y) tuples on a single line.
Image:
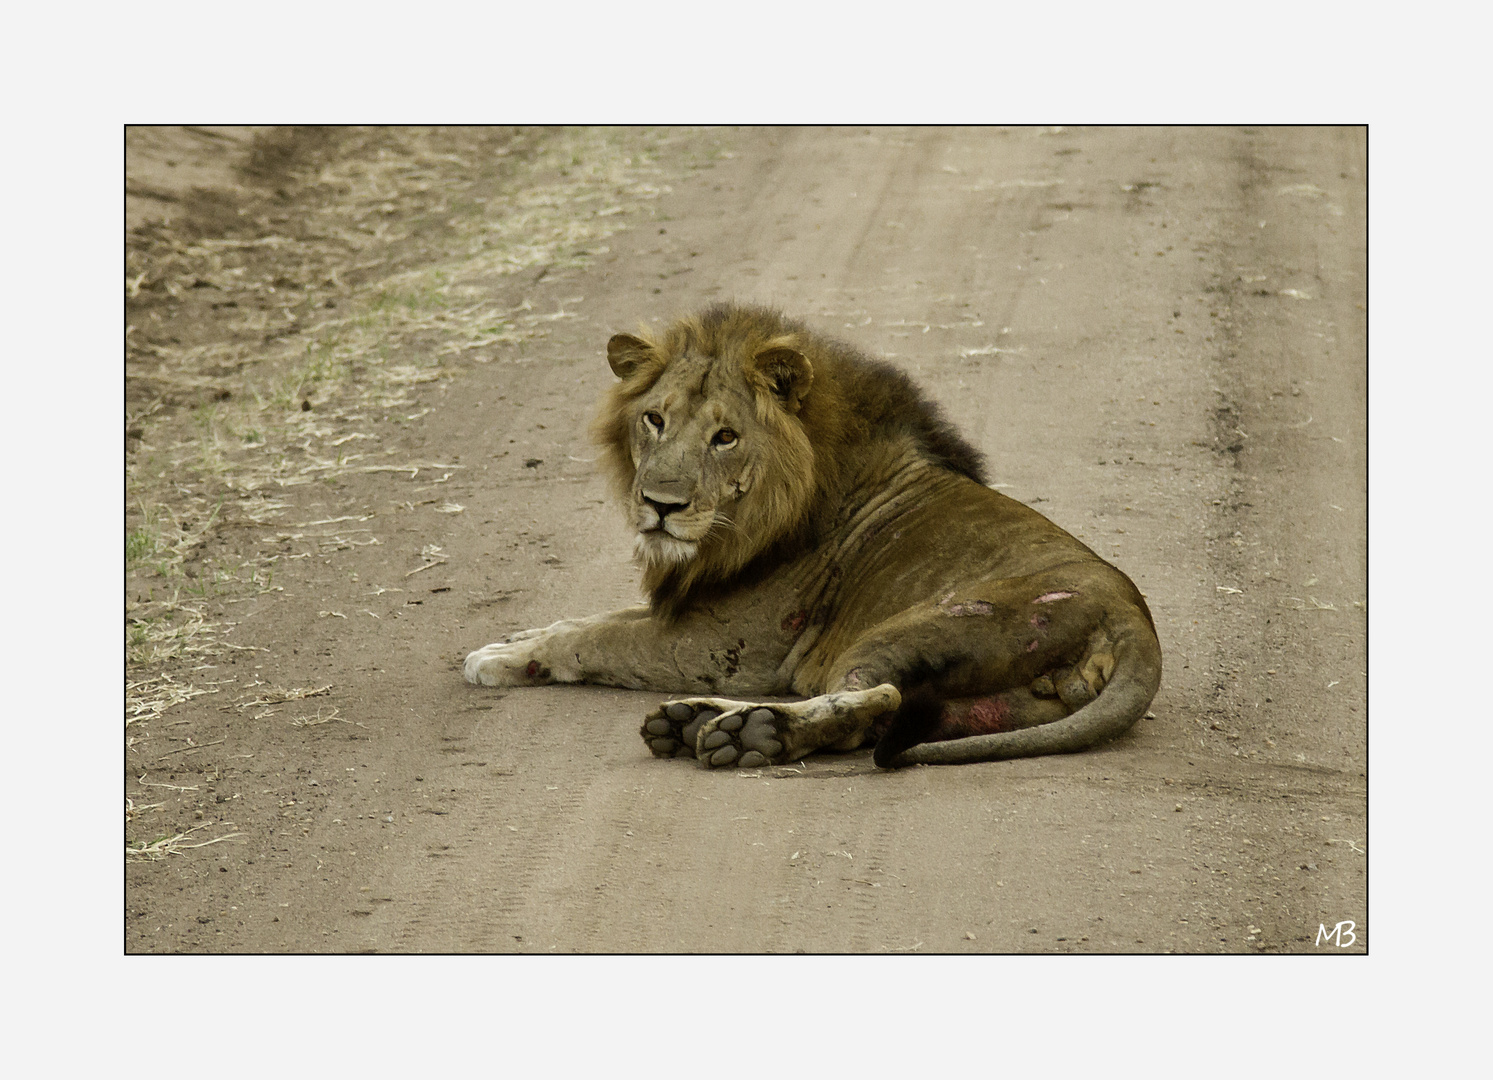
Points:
[(1071, 707), (746, 734), (1012, 667)]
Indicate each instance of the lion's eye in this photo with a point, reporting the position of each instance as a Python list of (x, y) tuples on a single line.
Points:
[(724, 437), (653, 420)]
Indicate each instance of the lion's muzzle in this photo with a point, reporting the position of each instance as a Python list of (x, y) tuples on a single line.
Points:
[(668, 530), (661, 509)]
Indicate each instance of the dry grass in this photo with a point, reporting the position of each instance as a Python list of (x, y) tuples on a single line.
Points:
[(319, 719), (131, 811), (146, 699), (157, 631), (277, 695), (154, 850)]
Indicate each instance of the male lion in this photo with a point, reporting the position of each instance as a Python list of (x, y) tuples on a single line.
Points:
[(809, 524)]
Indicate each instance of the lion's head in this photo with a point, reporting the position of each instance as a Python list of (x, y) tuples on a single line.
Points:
[(707, 441)]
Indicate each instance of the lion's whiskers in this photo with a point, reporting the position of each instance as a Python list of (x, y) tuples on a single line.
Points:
[(721, 518)]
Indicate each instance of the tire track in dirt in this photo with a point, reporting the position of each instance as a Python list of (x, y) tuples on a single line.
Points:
[(870, 926), (473, 882), (628, 879)]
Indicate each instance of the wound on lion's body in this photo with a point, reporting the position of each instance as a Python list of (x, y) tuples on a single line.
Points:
[(982, 716), (1007, 711), (926, 717)]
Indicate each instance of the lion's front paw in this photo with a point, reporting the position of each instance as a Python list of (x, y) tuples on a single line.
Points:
[(505, 664), (525, 635)]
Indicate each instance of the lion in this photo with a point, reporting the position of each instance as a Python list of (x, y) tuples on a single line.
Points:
[(810, 525)]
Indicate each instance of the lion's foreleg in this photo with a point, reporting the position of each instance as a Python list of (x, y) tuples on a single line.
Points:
[(622, 648), (635, 650)]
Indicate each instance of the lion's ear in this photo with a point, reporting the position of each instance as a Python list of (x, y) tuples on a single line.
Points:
[(786, 372), (625, 353)]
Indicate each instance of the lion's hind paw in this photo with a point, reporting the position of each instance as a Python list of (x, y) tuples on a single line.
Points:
[(672, 729), (744, 737)]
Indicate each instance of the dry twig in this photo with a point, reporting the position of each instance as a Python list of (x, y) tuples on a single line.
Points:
[(155, 850)]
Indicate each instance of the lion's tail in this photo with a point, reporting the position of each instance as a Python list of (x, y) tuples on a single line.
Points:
[(1123, 701)]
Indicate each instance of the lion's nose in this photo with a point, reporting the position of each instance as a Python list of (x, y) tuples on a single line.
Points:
[(664, 509)]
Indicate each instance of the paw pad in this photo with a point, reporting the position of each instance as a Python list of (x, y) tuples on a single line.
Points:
[(675, 728), (744, 738)]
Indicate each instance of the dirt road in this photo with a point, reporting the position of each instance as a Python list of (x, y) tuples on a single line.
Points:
[(1157, 336)]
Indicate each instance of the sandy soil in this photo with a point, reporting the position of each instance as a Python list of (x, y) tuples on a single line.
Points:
[(1158, 337)]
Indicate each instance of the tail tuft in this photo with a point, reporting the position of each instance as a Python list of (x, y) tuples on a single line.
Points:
[(916, 720)]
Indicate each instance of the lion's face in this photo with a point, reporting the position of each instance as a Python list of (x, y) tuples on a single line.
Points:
[(710, 447), (697, 448)]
